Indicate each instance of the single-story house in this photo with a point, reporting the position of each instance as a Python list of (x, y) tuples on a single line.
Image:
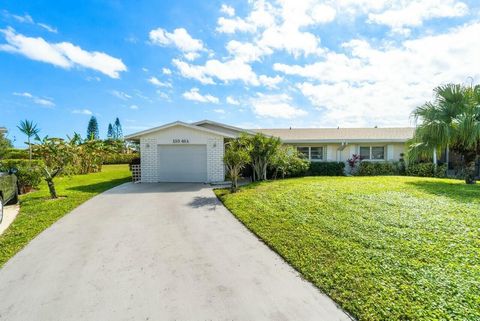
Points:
[(193, 152)]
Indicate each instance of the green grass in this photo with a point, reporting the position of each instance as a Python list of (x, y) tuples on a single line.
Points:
[(384, 248), (37, 211)]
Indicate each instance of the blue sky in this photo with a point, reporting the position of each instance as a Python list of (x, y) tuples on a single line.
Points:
[(300, 63)]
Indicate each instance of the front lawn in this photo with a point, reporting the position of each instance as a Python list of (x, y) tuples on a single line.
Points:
[(384, 248), (37, 211)]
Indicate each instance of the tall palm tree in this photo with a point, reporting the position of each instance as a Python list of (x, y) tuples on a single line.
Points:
[(451, 121), (30, 129)]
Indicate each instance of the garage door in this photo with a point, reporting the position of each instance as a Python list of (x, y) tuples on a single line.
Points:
[(182, 163)]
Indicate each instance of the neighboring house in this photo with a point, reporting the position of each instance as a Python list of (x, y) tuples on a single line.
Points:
[(193, 152)]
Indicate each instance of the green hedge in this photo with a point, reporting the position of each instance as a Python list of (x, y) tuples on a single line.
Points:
[(376, 169), (426, 170), (29, 173), (15, 153), (119, 159), (326, 169)]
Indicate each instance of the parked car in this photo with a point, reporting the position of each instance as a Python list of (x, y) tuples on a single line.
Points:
[(8, 189)]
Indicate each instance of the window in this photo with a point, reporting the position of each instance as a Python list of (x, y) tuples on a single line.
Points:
[(372, 152), (378, 152), (304, 151), (365, 152), (316, 153)]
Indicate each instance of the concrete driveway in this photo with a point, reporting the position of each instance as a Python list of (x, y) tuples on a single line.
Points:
[(155, 252)]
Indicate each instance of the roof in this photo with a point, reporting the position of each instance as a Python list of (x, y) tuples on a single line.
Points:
[(137, 135), (3, 130), (398, 134)]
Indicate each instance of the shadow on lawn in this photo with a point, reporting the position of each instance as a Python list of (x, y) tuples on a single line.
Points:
[(458, 192), (99, 187)]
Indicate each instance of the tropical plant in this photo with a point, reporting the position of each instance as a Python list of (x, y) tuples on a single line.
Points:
[(88, 154), (30, 129), (287, 162), (262, 150), (5, 145), (235, 158), (451, 122), (92, 129), (56, 155)]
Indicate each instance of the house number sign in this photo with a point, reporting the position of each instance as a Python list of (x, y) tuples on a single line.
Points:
[(180, 141)]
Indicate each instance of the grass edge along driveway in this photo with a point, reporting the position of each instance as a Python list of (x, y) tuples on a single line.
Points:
[(38, 212), (384, 248)]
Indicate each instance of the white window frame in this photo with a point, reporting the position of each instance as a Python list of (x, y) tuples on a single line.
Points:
[(310, 153), (370, 159)]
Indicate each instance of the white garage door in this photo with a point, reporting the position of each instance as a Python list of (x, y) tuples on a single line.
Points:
[(182, 163)]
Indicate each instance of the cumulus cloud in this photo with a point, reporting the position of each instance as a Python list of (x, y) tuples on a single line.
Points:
[(275, 106), (166, 71), (156, 82), (46, 102), (179, 38), (64, 54), (232, 101), (228, 10), (195, 95), (382, 86), (414, 13)]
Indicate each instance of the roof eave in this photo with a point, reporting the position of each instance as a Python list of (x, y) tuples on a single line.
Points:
[(136, 136)]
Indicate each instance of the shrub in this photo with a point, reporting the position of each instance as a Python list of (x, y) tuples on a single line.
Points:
[(377, 169), (29, 173), (426, 170), (15, 153), (113, 159), (326, 169), (287, 162)]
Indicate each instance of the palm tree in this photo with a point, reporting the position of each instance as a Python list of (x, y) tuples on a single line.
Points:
[(30, 129), (451, 121)]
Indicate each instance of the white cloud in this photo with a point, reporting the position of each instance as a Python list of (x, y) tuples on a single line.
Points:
[(26, 18), (166, 71), (194, 95), (270, 82), (134, 107), (179, 38), (232, 101), (120, 94), (228, 10), (413, 13), (64, 54), (156, 82), (46, 102), (381, 86), (48, 27), (82, 112), (219, 111), (275, 106)]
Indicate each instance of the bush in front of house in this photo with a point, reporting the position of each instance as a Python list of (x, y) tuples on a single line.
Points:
[(326, 169), (426, 170), (366, 168), (287, 162), (29, 174), (118, 158)]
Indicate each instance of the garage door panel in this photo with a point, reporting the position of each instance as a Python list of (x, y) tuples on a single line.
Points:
[(182, 163)]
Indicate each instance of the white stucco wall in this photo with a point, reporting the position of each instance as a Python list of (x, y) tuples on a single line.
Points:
[(149, 151)]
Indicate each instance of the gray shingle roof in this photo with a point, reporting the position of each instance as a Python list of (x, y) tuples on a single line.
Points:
[(399, 134)]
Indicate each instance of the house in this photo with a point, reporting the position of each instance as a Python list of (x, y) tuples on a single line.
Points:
[(193, 152), (3, 130)]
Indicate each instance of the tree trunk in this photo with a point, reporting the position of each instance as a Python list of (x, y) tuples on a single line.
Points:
[(51, 188), (29, 149), (435, 159)]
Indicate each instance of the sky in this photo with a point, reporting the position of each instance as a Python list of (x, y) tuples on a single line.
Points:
[(256, 63)]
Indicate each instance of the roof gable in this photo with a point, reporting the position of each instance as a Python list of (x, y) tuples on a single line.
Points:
[(137, 135)]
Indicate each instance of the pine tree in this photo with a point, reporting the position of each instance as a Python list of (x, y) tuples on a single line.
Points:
[(110, 131), (92, 130), (117, 129)]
